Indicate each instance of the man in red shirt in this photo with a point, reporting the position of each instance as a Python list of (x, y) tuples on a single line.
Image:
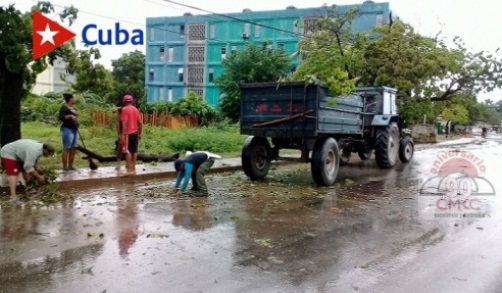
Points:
[(130, 119)]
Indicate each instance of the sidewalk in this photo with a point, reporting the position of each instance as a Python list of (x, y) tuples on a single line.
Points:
[(86, 176), (146, 171)]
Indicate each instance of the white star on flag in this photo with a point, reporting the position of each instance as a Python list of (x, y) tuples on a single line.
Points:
[(47, 35)]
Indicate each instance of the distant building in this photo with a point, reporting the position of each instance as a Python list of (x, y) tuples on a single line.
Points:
[(184, 53), (50, 79)]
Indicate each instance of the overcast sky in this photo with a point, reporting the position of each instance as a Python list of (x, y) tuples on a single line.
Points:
[(477, 22)]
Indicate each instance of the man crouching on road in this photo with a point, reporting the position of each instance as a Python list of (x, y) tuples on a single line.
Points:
[(22, 156), (194, 166)]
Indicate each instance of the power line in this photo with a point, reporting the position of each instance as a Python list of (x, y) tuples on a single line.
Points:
[(131, 22), (235, 18)]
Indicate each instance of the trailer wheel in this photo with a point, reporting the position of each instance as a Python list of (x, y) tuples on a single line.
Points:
[(256, 157), (325, 161), (387, 146), (406, 150), (345, 156)]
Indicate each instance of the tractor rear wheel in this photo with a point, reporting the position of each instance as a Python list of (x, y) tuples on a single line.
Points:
[(387, 145), (325, 161), (255, 157)]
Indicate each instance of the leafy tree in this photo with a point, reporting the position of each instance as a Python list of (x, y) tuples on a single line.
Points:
[(487, 114), (498, 106), (91, 77), (324, 66), (332, 55), (413, 110), (456, 114), (421, 68), (129, 77), (193, 104), (427, 67), (17, 69), (254, 63)]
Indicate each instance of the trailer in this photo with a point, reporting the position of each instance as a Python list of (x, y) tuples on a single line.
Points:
[(326, 129)]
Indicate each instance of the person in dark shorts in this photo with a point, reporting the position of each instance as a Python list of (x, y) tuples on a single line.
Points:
[(131, 125), (118, 144), (69, 131), (195, 166)]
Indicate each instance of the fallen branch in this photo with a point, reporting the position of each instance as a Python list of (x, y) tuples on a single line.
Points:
[(141, 156), (285, 119)]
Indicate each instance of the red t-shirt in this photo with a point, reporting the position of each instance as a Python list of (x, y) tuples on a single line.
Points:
[(130, 115)]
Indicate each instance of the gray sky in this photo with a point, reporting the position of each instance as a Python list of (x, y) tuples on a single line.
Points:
[(477, 22)]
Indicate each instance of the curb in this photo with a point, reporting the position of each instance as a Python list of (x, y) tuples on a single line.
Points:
[(86, 182), (138, 178)]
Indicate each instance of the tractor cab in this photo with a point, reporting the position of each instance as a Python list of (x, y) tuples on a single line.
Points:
[(378, 100)]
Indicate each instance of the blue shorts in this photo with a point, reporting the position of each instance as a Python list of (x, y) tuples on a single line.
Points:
[(70, 137)]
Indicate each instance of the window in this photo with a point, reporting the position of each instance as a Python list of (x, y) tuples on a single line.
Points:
[(152, 34), (180, 74), (212, 31), (234, 48), (195, 74), (379, 19), (171, 54), (280, 46), (197, 90), (247, 28), (170, 94), (161, 94), (196, 54), (270, 46), (182, 31), (150, 76), (211, 74), (223, 51), (197, 32), (257, 30), (162, 53)]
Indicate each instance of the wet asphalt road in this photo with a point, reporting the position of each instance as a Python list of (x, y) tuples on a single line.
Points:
[(375, 231)]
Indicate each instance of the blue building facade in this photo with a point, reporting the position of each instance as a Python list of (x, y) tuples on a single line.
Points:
[(184, 53)]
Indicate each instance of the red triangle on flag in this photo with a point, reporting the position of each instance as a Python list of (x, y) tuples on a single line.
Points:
[(47, 35)]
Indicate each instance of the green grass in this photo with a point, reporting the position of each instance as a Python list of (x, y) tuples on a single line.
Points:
[(223, 140)]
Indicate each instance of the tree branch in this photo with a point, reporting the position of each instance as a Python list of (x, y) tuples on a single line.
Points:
[(141, 156)]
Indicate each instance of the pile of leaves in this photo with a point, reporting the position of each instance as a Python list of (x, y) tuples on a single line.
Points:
[(49, 193)]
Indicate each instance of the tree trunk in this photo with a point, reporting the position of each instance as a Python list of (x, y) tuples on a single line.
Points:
[(141, 157), (10, 106)]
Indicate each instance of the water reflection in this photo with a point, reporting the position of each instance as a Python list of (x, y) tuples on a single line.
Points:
[(42, 273), (192, 214), (17, 223), (304, 236), (127, 221)]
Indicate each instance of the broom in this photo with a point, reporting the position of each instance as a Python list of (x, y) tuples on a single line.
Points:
[(92, 165)]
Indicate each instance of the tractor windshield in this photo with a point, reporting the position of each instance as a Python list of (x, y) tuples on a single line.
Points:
[(373, 103)]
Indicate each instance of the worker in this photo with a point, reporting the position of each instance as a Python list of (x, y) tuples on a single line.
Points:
[(194, 166), (21, 156)]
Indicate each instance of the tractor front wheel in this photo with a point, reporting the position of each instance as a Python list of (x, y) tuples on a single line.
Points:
[(406, 150)]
